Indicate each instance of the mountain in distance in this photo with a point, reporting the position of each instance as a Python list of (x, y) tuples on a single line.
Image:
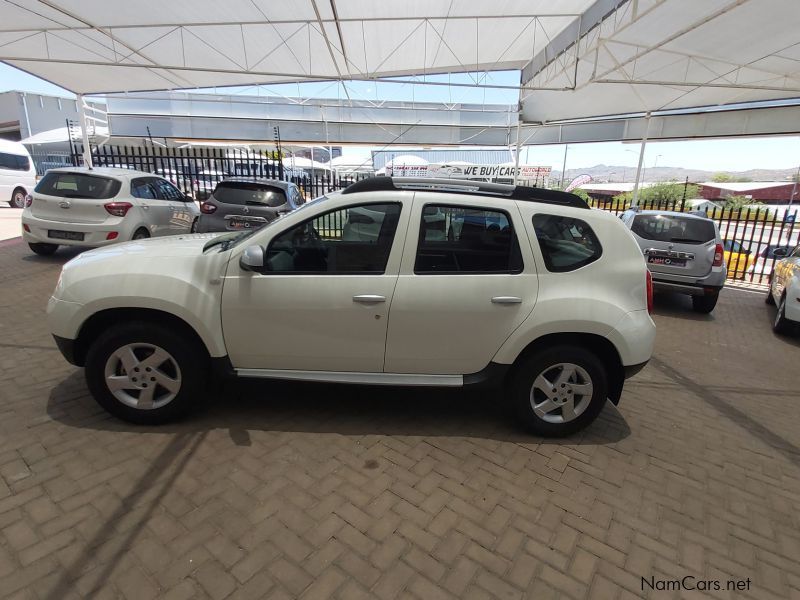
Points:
[(616, 174)]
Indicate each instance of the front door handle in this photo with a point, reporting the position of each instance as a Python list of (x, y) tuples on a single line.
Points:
[(506, 300), (369, 298)]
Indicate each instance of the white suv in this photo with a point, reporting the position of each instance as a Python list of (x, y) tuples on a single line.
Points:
[(392, 282), (77, 206)]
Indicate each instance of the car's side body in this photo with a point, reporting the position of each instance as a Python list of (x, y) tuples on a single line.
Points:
[(58, 213), (293, 326), (414, 283), (17, 173)]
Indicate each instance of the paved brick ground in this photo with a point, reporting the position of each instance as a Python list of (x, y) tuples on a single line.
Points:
[(296, 491)]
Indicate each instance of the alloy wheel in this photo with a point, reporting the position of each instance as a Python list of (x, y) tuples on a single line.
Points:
[(143, 376), (561, 393)]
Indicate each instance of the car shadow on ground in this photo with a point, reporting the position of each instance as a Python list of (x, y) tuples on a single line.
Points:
[(792, 338), (668, 304), (243, 407), (62, 255)]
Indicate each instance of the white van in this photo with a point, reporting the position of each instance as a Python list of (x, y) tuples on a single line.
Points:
[(17, 173)]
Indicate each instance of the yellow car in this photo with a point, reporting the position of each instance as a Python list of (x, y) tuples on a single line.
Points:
[(738, 258)]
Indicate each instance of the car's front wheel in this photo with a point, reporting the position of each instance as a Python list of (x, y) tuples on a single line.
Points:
[(559, 391), (43, 249), (704, 304), (146, 374)]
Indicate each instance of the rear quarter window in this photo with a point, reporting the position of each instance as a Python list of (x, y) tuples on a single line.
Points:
[(77, 185), (567, 244)]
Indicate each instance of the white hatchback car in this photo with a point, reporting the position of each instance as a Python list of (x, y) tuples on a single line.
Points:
[(391, 282), (784, 290), (77, 206)]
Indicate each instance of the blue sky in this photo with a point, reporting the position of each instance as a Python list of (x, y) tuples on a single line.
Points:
[(735, 154)]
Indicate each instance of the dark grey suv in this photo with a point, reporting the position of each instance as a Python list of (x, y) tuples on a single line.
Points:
[(242, 203)]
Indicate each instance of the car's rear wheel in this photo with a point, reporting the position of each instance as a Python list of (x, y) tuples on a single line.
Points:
[(559, 391), (146, 374), (704, 304), (194, 225), (43, 249), (141, 234), (18, 198), (781, 324)]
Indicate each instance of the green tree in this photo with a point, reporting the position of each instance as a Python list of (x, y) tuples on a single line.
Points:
[(665, 195), (737, 202), (727, 178)]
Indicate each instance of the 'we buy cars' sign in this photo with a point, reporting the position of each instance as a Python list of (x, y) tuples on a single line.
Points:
[(483, 172)]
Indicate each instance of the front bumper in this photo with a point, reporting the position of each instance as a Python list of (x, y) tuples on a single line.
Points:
[(67, 348)]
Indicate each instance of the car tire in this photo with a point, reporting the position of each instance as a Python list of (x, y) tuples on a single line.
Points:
[(166, 388), (141, 234), (544, 412), (769, 300), (704, 304), (17, 198), (43, 249), (781, 324), (194, 225)]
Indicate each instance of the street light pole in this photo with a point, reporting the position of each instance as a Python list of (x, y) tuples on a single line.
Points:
[(564, 166)]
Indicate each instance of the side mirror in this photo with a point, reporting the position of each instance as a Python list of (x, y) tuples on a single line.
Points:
[(747, 252), (252, 258), (779, 252)]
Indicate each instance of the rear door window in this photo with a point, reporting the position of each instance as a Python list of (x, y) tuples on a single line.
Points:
[(673, 228), (77, 185), (251, 194), (566, 243), (142, 188), (459, 240)]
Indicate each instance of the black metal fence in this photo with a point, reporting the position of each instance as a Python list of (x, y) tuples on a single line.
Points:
[(196, 171), (750, 234)]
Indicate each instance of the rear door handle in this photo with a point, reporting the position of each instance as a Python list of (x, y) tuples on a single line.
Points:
[(506, 300), (369, 298)]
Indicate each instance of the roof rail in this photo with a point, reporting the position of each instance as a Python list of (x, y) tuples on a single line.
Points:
[(466, 186)]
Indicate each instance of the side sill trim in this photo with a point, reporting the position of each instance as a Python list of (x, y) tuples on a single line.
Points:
[(400, 379)]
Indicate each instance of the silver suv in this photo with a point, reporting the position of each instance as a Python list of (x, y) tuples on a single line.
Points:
[(684, 253), (240, 203)]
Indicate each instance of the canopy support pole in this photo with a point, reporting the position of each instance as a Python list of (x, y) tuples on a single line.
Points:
[(635, 201), (516, 156), (87, 151)]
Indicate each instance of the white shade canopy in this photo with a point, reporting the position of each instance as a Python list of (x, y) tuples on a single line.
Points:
[(300, 162), (60, 134), (578, 58)]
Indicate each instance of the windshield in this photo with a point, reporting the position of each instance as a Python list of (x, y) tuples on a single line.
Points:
[(673, 228), (239, 193), (230, 240), (77, 185)]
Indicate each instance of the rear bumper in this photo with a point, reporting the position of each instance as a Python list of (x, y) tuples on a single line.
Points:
[(693, 289), (94, 234), (631, 370)]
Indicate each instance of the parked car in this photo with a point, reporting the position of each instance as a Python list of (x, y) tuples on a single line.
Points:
[(205, 183), (784, 290), (535, 290), (244, 203), (17, 173), (738, 259), (683, 252), (78, 206), (767, 257)]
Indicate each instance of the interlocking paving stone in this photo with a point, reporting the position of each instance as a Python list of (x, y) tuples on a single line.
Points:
[(287, 491)]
